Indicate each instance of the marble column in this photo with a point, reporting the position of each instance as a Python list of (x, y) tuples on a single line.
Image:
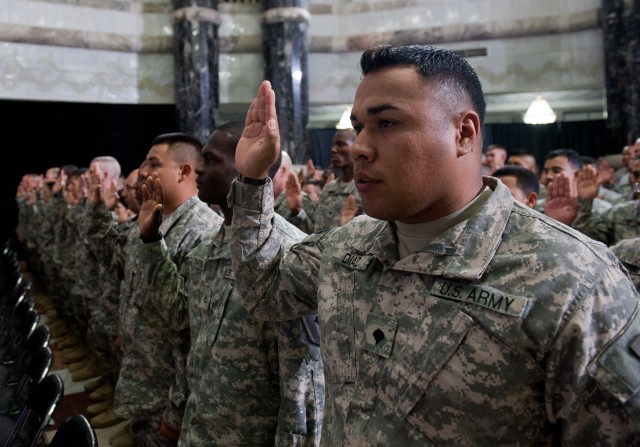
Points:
[(285, 46), (196, 50), (621, 24)]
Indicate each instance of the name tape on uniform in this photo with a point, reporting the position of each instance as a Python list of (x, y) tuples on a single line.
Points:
[(484, 296)]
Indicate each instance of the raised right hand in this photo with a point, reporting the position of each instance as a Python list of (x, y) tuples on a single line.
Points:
[(150, 214), (588, 185), (561, 203), (293, 194), (259, 145)]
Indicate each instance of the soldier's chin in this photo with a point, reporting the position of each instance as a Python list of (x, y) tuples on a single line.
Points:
[(375, 209)]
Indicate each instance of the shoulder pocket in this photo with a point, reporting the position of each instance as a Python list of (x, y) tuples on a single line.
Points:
[(617, 369)]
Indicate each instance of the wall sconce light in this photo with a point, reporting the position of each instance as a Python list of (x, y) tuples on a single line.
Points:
[(345, 119), (539, 112)]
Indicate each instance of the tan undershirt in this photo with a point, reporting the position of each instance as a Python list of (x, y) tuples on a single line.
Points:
[(414, 237)]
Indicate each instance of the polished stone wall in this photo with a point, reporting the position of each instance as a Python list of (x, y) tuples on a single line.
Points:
[(622, 49), (117, 51)]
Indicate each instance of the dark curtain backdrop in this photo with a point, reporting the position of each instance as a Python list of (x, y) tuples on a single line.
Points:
[(59, 133), (320, 146)]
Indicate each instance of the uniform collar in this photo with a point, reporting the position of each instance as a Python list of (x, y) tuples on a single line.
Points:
[(463, 252)]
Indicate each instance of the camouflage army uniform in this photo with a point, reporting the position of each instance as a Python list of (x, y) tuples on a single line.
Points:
[(250, 382), (87, 283), (60, 207), (56, 208), (610, 196), (106, 237), (508, 329), (628, 251), (25, 217), (621, 181), (301, 221), (596, 207), (28, 226), (72, 270), (328, 208), (150, 385), (46, 241), (621, 221)]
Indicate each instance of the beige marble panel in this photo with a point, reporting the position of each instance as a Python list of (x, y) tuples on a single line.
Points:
[(39, 72), (121, 51), (337, 84), (240, 76), (561, 61), (352, 27)]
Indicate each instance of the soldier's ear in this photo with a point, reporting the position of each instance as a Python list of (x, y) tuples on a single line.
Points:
[(186, 170), (468, 135)]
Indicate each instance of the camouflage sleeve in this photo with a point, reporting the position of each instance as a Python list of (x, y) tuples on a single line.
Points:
[(274, 284), (101, 231), (167, 297), (597, 401), (591, 223), (23, 214), (300, 221), (308, 210), (119, 248), (173, 412), (36, 223), (628, 251), (303, 221), (58, 209), (126, 251), (301, 383), (46, 235)]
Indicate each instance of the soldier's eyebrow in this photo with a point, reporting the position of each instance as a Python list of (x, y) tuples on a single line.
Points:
[(371, 111), (381, 108)]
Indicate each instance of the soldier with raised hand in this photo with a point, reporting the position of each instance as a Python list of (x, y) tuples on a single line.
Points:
[(107, 236), (617, 223), (282, 192), (450, 314), (326, 212), (250, 382), (151, 388)]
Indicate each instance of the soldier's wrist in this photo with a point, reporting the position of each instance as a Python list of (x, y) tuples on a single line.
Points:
[(151, 239), (253, 181)]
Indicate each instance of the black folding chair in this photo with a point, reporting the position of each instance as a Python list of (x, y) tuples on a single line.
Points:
[(11, 274), (41, 336), (20, 309), (12, 305), (17, 335), (27, 429), (75, 431), (14, 394)]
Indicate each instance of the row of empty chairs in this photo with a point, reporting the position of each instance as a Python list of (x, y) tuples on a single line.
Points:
[(29, 393)]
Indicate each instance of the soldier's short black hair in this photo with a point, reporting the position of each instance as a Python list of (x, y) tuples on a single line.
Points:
[(526, 180), (433, 64), (176, 137), (185, 147), (519, 151), (572, 155)]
